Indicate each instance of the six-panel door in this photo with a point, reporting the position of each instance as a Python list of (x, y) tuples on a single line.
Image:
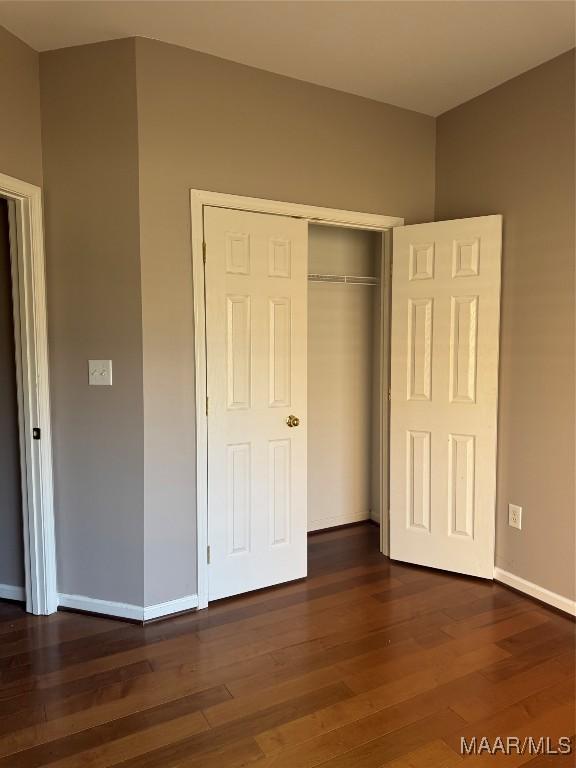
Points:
[(444, 393), (256, 323)]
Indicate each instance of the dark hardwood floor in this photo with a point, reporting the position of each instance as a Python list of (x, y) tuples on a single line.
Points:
[(366, 663)]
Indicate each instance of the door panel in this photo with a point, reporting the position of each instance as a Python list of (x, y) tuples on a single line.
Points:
[(256, 326), (444, 390)]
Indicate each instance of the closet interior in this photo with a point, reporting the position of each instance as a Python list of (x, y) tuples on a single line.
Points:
[(345, 324)]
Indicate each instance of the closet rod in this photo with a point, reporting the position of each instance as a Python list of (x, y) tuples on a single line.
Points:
[(350, 279)]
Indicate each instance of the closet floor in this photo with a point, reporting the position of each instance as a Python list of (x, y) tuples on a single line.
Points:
[(365, 663)]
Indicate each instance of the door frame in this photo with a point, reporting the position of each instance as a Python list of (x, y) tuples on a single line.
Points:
[(33, 388), (199, 199)]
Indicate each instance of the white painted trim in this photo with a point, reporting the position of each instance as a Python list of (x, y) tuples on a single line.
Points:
[(384, 445), (202, 197), (28, 270), (9, 592), (172, 606), (198, 281), (128, 610), (534, 590), (12, 230), (332, 522), (106, 607), (198, 199)]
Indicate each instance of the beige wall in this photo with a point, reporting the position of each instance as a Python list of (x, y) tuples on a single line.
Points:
[(511, 151), (21, 157), (128, 127), (117, 178), (94, 310), (20, 142), (208, 123)]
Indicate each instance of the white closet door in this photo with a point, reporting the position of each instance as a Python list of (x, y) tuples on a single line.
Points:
[(444, 391), (256, 320)]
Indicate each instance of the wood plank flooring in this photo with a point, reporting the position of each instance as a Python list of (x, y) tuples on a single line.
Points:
[(366, 663)]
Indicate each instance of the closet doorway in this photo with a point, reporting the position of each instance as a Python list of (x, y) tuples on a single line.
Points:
[(305, 342), (255, 448), (347, 416)]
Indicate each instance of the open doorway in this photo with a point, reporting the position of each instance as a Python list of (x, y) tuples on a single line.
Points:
[(12, 569), (27, 554)]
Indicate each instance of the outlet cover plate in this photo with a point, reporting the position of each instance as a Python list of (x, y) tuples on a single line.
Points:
[(515, 516)]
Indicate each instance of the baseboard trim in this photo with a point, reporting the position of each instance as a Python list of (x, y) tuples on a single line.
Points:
[(9, 592), (332, 522), (534, 590), (179, 605), (105, 607), (127, 610)]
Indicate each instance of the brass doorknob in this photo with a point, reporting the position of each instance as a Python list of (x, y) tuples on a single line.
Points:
[(292, 421)]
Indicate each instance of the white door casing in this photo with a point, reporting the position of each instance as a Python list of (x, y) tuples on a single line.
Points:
[(444, 393), (256, 337), (31, 340)]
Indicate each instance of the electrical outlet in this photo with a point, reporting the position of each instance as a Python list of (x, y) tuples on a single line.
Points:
[(515, 516)]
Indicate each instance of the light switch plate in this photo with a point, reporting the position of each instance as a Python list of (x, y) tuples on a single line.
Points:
[(515, 516), (100, 372)]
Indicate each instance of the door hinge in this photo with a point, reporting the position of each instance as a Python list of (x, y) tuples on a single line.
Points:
[(36, 433), (389, 395), (208, 554), (204, 252), (206, 405)]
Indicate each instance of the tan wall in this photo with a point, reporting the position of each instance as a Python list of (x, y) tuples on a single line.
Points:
[(21, 157), (94, 311), (511, 151), (209, 123), (20, 143), (117, 175)]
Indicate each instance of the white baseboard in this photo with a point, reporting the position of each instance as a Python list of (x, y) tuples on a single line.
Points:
[(331, 522), (8, 592), (172, 606), (107, 607), (540, 593), (128, 610)]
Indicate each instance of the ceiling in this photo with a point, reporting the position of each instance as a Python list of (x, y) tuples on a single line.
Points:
[(428, 56)]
